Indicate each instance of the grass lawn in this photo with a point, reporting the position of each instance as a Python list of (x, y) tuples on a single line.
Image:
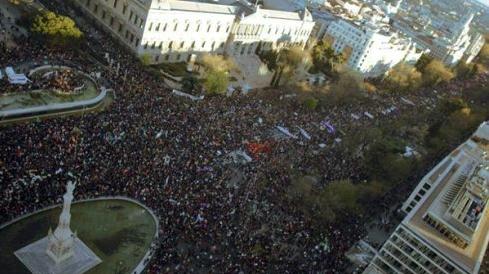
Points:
[(175, 69), (118, 231)]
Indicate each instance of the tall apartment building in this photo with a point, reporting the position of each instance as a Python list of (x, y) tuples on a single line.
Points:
[(446, 229), (370, 48), (460, 43), (172, 30)]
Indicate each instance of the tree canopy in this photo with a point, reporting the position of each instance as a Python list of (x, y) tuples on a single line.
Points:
[(348, 86), (216, 82), (216, 73), (436, 72), (324, 57), (484, 53), (423, 61), (213, 62), (57, 29), (403, 77)]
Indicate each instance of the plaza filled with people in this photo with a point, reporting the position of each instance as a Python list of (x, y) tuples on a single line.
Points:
[(170, 153)]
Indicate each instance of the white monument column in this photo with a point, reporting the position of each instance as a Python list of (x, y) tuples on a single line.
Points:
[(60, 246), (61, 252)]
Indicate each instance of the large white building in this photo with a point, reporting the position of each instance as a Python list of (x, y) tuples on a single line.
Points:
[(362, 33), (446, 229), (370, 48), (172, 31), (451, 44)]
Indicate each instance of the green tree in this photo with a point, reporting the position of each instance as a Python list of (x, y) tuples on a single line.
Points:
[(58, 30), (324, 57), (145, 59), (311, 103), (189, 83), (484, 53), (270, 58), (465, 71), (347, 88), (423, 61), (213, 62), (216, 82), (436, 72), (402, 78), (289, 60)]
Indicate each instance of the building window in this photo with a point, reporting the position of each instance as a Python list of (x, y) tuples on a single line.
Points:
[(175, 27), (187, 27), (154, 45), (115, 3), (203, 44), (112, 21), (218, 28), (182, 44), (222, 45), (170, 45), (95, 9), (161, 45), (145, 45), (164, 28), (227, 29), (136, 19), (132, 37), (158, 27), (198, 28), (120, 27), (137, 42), (178, 57), (208, 28), (213, 45), (88, 3), (157, 58), (150, 26), (193, 45), (167, 57), (103, 14), (130, 15)]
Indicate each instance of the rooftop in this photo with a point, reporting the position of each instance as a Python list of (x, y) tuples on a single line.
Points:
[(231, 7), (456, 201)]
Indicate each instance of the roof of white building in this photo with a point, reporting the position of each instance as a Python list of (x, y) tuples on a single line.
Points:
[(232, 7), (195, 7), (457, 201)]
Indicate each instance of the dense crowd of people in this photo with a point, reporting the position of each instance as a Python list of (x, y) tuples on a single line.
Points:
[(170, 153)]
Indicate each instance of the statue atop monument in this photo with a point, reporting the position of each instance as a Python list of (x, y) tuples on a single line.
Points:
[(61, 251), (60, 246)]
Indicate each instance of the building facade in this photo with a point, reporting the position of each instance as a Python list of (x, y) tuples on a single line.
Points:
[(370, 49), (458, 43), (446, 229), (173, 31)]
